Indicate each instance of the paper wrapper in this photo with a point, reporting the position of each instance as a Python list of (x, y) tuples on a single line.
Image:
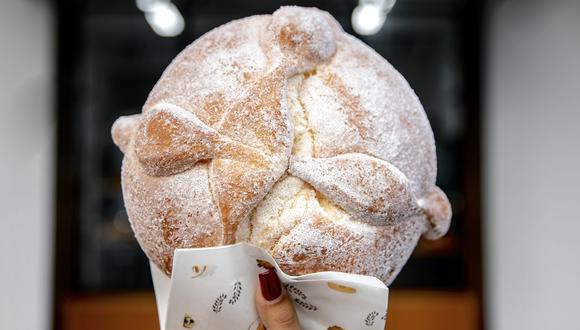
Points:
[(214, 288)]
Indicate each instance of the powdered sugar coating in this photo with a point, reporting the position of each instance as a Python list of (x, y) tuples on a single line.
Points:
[(170, 211), (437, 213), (300, 38), (123, 129), (369, 189), (321, 244), (359, 103), (207, 162), (213, 71)]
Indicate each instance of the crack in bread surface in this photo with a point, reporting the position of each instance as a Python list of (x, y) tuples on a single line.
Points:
[(291, 200)]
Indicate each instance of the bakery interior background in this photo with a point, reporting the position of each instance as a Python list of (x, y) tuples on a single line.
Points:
[(499, 80)]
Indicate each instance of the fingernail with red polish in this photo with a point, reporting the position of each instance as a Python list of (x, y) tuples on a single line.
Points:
[(270, 284)]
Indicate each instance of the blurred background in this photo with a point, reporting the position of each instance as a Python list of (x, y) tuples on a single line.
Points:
[(499, 80)]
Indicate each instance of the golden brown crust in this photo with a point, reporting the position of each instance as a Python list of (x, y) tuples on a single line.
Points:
[(170, 212), (320, 244), (167, 144), (123, 130), (437, 213)]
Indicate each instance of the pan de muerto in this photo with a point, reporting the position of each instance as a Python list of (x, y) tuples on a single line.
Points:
[(285, 132)]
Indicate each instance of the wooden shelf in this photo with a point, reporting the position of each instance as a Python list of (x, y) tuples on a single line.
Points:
[(408, 310), (433, 310)]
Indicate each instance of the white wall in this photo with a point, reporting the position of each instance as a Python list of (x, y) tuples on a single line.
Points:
[(532, 161), (26, 164)]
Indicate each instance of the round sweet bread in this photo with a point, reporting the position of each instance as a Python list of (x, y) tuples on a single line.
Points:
[(285, 132)]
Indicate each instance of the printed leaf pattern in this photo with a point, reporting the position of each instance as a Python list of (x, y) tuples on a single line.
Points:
[(294, 290), (236, 294), (305, 305), (370, 320), (217, 305)]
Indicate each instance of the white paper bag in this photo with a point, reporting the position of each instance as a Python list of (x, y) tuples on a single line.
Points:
[(214, 288)]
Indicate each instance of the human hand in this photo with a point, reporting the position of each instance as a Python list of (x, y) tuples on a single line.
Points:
[(274, 307)]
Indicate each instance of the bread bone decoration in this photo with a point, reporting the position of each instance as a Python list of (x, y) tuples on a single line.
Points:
[(285, 132)]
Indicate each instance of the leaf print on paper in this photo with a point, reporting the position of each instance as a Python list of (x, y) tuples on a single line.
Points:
[(306, 305), (370, 320), (217, 305), (236, 294), (295, 291)]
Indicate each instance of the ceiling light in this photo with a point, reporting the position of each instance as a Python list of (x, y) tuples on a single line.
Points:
[(163, 17), (369, 16)]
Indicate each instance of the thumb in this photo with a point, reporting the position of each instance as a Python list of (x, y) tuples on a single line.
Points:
[(274, 306)]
